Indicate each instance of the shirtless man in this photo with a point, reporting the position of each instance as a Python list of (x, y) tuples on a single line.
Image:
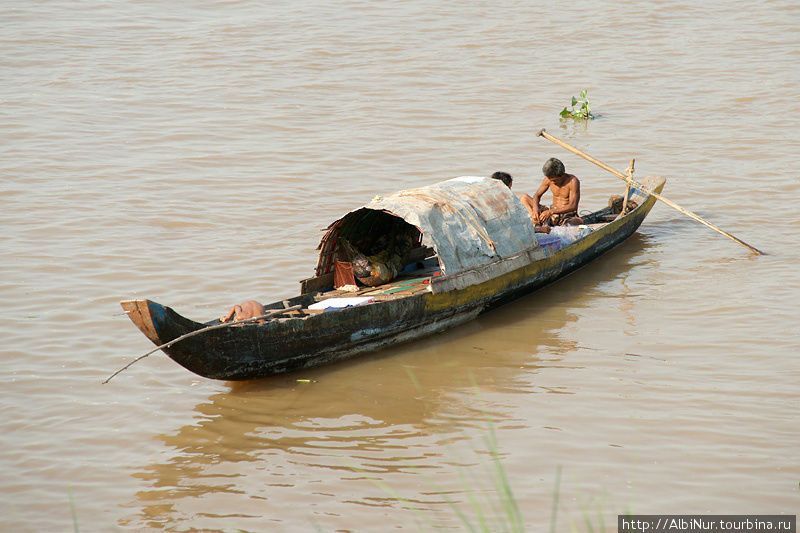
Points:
[(247, 309), (506, 178), (566, 191)]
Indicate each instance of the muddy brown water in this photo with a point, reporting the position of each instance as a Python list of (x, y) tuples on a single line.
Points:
[(191, 153)]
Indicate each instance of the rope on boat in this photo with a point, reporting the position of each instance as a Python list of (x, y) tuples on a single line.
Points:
[(271, 314)]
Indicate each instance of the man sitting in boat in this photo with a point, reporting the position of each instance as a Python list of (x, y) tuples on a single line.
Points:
[(506, 178), (566, 191)]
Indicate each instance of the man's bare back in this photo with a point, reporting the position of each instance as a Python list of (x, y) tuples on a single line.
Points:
[(566, 191), (247, 309)]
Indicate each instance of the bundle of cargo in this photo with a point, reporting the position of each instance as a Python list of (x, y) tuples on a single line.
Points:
[(388, 255)]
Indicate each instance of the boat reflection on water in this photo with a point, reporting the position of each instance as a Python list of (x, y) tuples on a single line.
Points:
[(306, 450)]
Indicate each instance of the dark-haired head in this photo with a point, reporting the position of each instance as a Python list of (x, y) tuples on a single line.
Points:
[(553, 168), (505, 177)]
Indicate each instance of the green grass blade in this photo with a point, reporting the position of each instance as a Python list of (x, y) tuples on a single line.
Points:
[(74, 512), (554, 512)]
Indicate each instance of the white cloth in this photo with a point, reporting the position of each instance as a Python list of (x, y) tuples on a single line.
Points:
[(339, 303)]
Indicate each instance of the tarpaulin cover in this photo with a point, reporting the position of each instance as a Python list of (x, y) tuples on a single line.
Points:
[(469, 221)]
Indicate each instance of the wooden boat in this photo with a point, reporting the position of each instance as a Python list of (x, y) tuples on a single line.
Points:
[(476, 249)]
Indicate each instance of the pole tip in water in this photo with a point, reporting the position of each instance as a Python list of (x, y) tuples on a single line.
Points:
[(539, 133)]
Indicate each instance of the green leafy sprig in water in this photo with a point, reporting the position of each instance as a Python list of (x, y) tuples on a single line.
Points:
[(580, 108)]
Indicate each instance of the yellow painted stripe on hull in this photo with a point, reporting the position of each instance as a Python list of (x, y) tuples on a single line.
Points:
[(500, 284)]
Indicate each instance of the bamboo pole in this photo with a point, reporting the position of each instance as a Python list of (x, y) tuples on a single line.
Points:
[(629, 172), (629, 180), (203, 330)]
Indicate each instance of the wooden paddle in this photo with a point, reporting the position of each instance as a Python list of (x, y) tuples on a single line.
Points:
[(271, 314), (630, 181)]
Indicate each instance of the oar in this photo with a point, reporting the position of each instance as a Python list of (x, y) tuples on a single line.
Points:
[(627, 179), (203, 330)]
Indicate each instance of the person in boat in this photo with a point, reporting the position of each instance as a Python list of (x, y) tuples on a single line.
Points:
[(566, 190), (506, 178), (244, 310)]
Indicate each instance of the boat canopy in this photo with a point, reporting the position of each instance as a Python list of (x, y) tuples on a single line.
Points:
[(468, 221)]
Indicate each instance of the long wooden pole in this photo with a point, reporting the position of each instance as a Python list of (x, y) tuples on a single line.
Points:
[(203, 330), (620, 175)]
